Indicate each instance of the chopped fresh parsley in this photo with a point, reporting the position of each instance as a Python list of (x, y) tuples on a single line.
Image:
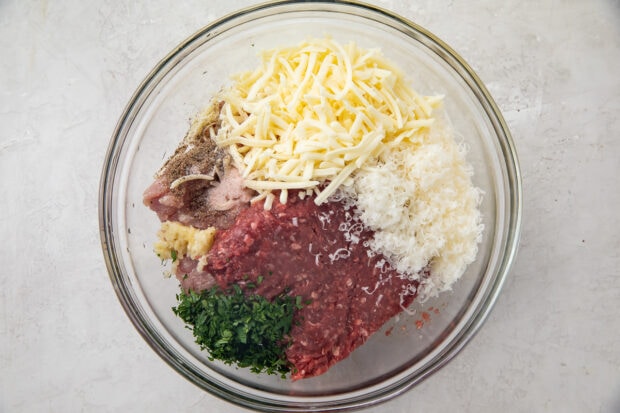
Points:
[(238, 328)]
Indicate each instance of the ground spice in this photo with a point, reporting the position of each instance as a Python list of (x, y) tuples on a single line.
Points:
[(199, 154)]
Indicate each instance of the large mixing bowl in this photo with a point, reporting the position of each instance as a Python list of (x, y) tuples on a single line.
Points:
[(409, 348)]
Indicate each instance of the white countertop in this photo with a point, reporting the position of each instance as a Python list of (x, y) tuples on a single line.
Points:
[(552, 342)]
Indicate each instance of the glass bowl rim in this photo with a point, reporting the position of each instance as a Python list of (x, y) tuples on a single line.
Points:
[(245, 15)]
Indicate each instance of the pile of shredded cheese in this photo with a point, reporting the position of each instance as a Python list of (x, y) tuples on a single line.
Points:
[(428, 214), (333, 121), (317, 112)]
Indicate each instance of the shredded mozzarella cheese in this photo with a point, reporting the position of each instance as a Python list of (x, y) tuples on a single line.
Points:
[(317, 112), (191, 177)]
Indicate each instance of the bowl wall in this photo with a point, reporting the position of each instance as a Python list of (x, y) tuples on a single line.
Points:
[(157, 118)]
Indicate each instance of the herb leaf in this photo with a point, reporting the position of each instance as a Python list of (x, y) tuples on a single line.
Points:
[(246, 330)]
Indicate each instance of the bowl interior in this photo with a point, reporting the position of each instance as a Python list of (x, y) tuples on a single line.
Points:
[(408, 347)]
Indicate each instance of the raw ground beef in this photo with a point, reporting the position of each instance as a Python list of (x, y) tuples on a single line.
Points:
[(318, 253)]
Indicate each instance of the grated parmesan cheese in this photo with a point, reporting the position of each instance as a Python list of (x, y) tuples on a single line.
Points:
[(429, 210), (317, 112)]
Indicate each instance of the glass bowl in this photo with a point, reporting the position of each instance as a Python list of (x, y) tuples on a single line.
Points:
[(410, 347)]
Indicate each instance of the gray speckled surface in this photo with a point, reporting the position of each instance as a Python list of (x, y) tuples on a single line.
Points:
[(552, 342)]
